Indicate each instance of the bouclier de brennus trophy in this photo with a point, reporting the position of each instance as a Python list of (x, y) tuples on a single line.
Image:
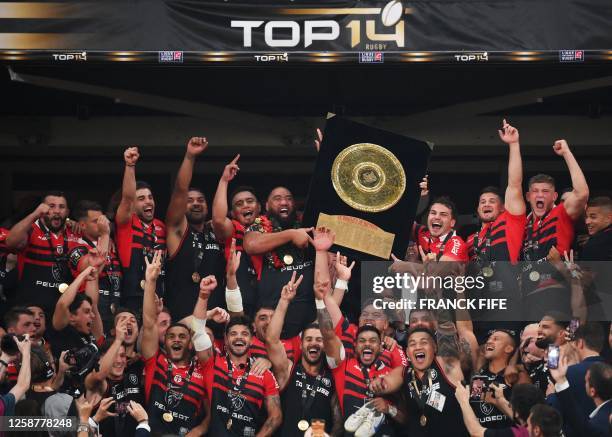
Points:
[(366, 188)]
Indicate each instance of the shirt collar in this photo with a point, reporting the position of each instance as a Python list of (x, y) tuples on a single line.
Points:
[(596, 410)]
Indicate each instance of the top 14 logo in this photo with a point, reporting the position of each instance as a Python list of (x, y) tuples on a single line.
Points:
[(328, 30)]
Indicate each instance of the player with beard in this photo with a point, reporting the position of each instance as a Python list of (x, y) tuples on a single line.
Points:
[(113, 381), (548, 226), (174, 380), (532, 358), (306, 386), (244, 401), (40, 326), (429, 384), (281, 242), (496, 246), (96, 236), (245, 208), (43, 241), (138, 233), (193, 249), (498, 350), (130, 319)]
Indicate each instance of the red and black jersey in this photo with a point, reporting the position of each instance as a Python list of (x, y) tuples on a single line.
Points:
[(500, 240), (8, 279), (135, 240), (235, 399), (293, 348), (450, 245), (43, 265), (198, 253), (175, 390), (352, 385), (347, 332)]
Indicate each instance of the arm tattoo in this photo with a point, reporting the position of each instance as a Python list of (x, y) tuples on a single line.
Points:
[(325, 322), (338, 428), (273, 420)]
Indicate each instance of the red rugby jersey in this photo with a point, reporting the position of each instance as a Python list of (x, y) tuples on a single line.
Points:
[(506, 235), (451, 245)]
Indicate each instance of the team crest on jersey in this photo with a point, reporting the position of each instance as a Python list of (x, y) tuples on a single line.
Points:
[(178, 379), (236, 399), (433, 373), (326, 382), (486, 408), (133, 378), (173, 398), (56, 271)]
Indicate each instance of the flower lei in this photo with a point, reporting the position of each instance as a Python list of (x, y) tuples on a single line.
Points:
[(266, 226)]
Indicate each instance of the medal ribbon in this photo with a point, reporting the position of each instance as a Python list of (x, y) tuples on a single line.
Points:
[(420, 399), (307, 398), (186, 380), (450, 235), (237, 386)]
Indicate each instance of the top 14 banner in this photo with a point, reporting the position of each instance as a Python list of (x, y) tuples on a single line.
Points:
[(307, 26)]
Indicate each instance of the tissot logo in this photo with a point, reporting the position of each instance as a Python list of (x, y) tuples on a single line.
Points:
[(472, 57), (290, 33), (71, 56)]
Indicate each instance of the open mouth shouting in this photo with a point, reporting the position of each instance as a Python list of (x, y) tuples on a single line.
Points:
[(539, 203), (367, 355), (176, 347), (420, 358), (148, 211), (436, 227), (283, 212), (314, 353)]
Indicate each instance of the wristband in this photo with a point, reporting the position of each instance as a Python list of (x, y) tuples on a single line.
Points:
[(198, 325), (320, 304), (341, 284), (392, 411), (233, 298), (201, 341), (144, 424)]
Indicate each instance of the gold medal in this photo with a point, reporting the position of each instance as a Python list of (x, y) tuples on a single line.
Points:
[(288, 259), (195, 277), (62, 287), (142, 284), (534, 276), (167, 417), (423, 420), (487, 272), (229, 424), (303, 425)]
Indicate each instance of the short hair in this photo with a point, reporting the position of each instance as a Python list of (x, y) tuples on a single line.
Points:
[(592, 334), (548, 419), (491, 189), (524, 397), (265, 307), (241, 189), (389, 314), (368, 328), (417, 329), (198, 189), (140, 185), (83, 206), (446, 201), (600, 379), (239, 320), (560, 319), (127, 310), (313, 325), (78, 301), (541, 179), (40, 365), (180, 325), (54, 193), (602, 202), (11, 318)]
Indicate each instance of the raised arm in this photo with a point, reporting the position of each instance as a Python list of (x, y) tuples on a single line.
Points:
[(322, 241), (18, 235), (92, 289), (281, 365), (61, 315), (576, 200), (103, 245), (514, 201), (233, 298), (201, 341), (128, 190), (150, 339), (25, 375), (334, 351), (175, 216), (97, 378), (469, 418), (222, 225), (343, 276)]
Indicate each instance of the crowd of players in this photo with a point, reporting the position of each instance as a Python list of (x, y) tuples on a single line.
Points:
[(233, 326)]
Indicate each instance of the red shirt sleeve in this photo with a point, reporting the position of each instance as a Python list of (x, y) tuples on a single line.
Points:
[(456, 249), (149, 370), (515, 234), (565, 230), (270, 384), (398, 357)]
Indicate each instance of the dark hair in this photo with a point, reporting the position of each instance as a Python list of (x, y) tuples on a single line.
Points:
[(241, 189), (601, 201), (592, 334), (416, 329), (389, 314), (40, 365), (541, 179), (313, 325), (239, 320), (83, 206), (559, 318), (54, 193), (198, 189), (600, 378), (368, 328), (524, 397), (126, 310), (167, 311), (548, 419), (446, 201), (11, 318), (179, 324), (78, 301), (265, 307), (140, 185), (491, 189)]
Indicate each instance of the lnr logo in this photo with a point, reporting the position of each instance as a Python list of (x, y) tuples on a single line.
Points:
[(391, 16)]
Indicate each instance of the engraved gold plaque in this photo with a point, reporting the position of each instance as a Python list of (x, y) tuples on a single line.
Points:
[(368, 177)]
